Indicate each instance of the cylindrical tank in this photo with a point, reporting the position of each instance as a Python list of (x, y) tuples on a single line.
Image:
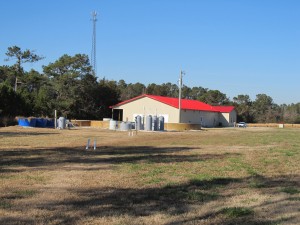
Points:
[(122, 126), (41, 122), (24, 122), (154, 123), (61, 123), (125, 126), (50, 123), (149, 123), (138, 122), (112, 125), (128, 125), (161, 123)]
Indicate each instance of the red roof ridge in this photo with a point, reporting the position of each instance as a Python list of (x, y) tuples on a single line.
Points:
[(186, 104)]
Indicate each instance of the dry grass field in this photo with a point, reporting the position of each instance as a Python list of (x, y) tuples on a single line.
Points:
[(214, 176)]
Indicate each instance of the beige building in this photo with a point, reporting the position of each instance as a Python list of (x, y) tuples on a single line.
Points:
[(191, 111)]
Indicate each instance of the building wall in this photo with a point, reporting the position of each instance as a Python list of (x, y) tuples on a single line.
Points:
[(232, 118), (205, 118), (209, 119), (147, 106), (228, 119)]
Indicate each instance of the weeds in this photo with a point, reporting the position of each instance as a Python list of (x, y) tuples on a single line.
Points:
[(25, 193), (290, 190), (5, 204), (235, 212)]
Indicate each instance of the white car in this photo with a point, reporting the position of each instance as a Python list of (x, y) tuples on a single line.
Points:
[(242, 124)]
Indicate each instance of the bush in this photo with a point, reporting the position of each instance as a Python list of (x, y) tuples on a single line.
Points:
[(6, 121)]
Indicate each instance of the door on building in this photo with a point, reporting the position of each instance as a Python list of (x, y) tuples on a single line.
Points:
[(118, 115)]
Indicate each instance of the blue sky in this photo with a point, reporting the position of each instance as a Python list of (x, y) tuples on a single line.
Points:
[(235, 46)]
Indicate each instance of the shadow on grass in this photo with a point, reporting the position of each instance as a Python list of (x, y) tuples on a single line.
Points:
[(105, 155), (24, 134), (171, 200), (114, 202)]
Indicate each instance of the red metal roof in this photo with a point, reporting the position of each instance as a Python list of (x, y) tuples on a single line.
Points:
[(185, 103), (224, 109)]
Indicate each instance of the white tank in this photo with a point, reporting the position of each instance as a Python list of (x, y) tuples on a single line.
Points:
[(61, 123), (138, 124), (149, 123), (112, 125), (125, 126)]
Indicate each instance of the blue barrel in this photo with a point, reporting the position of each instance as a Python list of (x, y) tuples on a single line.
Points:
[(50, 123), (32, 122), (41, 122), (24, 122)]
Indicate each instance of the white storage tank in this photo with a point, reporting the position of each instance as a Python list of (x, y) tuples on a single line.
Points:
[(138, 123), (113, 125), (61, 123), (149, 123)]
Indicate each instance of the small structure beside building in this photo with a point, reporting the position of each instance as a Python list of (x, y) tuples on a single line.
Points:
[(191, 111)]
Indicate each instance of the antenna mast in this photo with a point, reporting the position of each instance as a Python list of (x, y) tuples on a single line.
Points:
[(93, 54), (179, 97)]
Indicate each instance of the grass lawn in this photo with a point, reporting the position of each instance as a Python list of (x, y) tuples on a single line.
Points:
[(214, 176)]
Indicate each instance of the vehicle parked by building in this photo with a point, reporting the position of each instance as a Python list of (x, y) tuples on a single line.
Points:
[(242, 124)]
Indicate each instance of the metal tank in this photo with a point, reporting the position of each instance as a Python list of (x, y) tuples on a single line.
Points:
[(61, 123), (161, 123), (149, 123), (138, 123), (125, 126), (154, 123), (113, 125)]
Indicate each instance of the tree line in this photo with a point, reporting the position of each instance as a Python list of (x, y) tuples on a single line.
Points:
[(69, 86)]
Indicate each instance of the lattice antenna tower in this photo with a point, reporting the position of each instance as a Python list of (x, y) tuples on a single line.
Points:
[(93, 54)]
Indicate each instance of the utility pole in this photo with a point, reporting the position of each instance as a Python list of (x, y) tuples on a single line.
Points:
[(93, 54), (179, 98), (16, 84)]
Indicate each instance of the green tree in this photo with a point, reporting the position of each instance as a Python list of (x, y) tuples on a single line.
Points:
[(65, 76), (170, 90), (108, 95), (21, 57), (156, 89), (30, 88), (15, 53), (264, 110), (243, 105), (8, 75), (214, 97), (11, 103), (291, 113), (88, 101), (134, 90), (197, 92)]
